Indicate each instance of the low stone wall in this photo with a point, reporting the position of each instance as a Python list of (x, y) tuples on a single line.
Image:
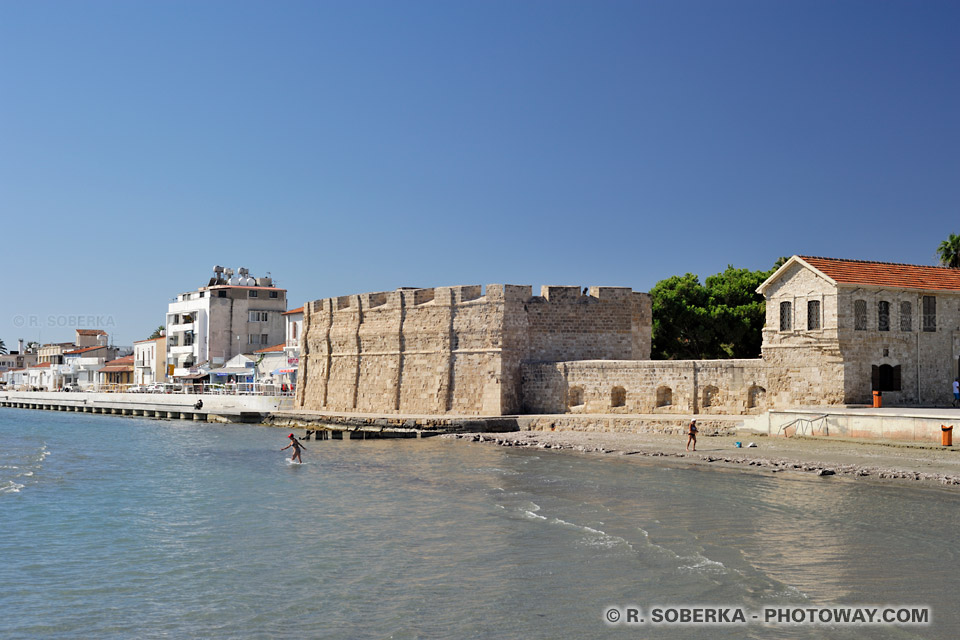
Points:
[(627, 424), (418, 425), (726, 387)]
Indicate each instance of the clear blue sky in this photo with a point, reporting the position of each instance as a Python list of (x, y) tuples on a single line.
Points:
[(359, 146)]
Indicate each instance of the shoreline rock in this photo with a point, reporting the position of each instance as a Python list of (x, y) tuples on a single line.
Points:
[(565, 441)]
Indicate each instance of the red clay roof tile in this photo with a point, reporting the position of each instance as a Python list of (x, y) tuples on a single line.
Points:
[(887, 274)]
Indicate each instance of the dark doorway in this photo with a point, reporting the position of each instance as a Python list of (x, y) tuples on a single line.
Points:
[(885, 377)]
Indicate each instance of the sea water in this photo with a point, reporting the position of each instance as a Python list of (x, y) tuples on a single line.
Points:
[(117, 527)]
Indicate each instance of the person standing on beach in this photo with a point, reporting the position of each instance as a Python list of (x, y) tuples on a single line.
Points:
[(296, 449), (692, 435), (956, 392)]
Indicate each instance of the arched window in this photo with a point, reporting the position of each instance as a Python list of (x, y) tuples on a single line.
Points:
[(618, 397), (575, 397), (883, 316), (756, 396), (664, 396), (906, 316), (860, 315), (929, 313), (813, 315), (711, 395), (786, 316)]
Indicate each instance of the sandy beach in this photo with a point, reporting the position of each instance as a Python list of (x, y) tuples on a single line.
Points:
[(876, 461)]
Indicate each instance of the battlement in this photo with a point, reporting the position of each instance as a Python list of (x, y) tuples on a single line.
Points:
[(416, 296), (458, 349)]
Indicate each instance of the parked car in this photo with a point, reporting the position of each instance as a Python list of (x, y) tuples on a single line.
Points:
[(138, 388)]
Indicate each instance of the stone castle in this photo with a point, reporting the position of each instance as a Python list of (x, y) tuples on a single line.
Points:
[(836, 330), (458, 349)]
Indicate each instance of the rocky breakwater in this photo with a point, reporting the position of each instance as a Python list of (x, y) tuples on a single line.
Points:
[(802, 460)]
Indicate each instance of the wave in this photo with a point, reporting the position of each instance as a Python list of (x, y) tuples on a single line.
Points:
[(26, 465), (11, 487), (494, 470), (593, 537)]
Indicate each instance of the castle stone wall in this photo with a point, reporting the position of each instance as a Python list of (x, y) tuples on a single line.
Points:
[(648, 387), (457, 349)]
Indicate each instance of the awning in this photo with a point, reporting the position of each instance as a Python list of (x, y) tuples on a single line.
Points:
[(117, 369), (192, 376), (233, 371)]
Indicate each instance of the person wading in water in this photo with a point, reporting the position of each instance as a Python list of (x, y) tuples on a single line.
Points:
[(296, 449)]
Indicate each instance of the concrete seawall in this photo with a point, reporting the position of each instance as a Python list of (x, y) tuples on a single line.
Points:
[(174, 405), (889, 423)]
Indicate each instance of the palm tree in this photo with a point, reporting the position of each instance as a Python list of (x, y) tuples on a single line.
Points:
[(949, 252), (3, 347), (157, 332)]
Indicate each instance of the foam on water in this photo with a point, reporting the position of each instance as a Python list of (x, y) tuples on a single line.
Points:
[(11, 487), (21, 464)]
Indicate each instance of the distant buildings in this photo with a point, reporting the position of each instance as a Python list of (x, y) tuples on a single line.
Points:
[(80, 366), (116, 374), (291, 349), (231, 315), (18, 359), (150, 361), (91, 338), (53, 353), (212, 335)]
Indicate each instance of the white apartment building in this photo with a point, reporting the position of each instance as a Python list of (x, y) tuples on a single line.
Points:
[(233, 314), (291, 349)]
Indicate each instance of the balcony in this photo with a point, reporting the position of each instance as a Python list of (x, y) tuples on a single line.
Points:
[(180, 328)]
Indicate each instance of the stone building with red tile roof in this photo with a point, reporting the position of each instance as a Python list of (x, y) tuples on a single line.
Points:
[(837, 330)]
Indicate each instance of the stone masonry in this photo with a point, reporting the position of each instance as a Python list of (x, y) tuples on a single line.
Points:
[(458, 349), (882, 326), (720, 387)]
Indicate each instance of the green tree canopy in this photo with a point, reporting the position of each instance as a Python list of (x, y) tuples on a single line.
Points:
[(721, 318), (949, 252), (157, 332), (3, 347)]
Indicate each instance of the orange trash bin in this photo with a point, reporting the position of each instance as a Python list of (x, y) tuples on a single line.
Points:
[(877, 399), (946, 436)]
